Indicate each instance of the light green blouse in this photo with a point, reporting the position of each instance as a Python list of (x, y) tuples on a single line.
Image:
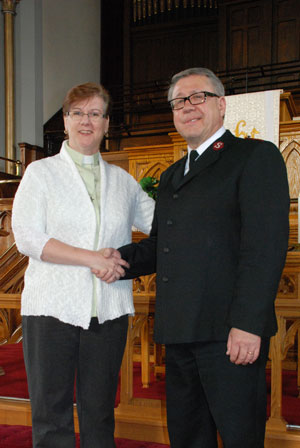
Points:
[(89, 170)]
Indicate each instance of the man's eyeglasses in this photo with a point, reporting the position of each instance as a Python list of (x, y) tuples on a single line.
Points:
[(194, 99), (94, 115)]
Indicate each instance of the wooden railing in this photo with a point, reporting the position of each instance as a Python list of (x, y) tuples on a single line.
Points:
[(29, 153), (288, 317)]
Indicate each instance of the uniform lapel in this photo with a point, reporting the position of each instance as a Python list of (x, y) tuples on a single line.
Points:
[(178, 174), (210, 156)]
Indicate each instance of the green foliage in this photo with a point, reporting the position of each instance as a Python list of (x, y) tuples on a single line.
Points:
[(150, 185)]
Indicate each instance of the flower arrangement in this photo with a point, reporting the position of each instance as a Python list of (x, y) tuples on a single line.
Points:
[(150, 185)]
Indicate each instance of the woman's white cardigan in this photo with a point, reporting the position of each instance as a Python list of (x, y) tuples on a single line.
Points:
[(52, 202)]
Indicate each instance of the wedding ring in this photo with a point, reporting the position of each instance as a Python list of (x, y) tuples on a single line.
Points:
[(250, 353)]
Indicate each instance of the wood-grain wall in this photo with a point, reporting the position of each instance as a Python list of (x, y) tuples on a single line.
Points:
[(234, 35)]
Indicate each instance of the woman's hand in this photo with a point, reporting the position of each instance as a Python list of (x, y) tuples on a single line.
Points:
[(106, 264), (109, 265)]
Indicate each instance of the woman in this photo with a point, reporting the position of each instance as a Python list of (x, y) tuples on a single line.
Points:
[(66, 208)]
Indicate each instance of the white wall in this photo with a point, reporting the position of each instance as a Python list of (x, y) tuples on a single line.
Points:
[(57, 45), (71, 48)]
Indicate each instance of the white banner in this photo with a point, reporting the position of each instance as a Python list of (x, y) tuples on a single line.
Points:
[(254, 115)]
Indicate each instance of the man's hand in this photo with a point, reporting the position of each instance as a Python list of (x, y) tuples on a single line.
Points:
[(112, 268), (243, 347), (110, 252)]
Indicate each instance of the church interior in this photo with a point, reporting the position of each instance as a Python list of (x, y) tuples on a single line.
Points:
[(253, 46)]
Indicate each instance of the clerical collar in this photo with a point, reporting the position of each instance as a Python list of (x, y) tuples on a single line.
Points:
[(82, 159), (89, 159)]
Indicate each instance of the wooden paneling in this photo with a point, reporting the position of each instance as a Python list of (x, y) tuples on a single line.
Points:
[(248, 27), (159, 51), (236, 34), (286, 30)]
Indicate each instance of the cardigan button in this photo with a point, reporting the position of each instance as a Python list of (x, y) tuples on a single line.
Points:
[(165, 279), (166, 250), (169, 222), (175, 196)]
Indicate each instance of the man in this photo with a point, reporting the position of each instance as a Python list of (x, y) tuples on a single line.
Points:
[(218, 243)]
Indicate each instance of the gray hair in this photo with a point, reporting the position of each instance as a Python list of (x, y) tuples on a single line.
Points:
[(216, 82)]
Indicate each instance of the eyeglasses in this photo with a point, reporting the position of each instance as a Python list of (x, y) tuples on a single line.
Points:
[(194, 99), (94, 115)]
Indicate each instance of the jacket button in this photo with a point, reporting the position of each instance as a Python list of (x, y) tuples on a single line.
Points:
[(169, 222), (166, 250), (165, 279), (175, 196)]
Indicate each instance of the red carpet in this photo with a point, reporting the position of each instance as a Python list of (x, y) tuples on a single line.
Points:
[(14, 384), (20, 437)]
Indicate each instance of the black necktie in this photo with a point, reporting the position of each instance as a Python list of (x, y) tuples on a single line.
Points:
[(193, 156)]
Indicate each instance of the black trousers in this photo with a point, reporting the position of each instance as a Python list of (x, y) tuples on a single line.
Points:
[(206, 393), (55, 354)]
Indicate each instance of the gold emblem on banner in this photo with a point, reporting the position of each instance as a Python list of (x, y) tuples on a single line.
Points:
[(239, 133)]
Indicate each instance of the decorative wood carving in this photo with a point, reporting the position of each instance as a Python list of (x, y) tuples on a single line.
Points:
[(149, 160), (12, 269), (290, 150), (287, 310), (145, 284), (288, 287)]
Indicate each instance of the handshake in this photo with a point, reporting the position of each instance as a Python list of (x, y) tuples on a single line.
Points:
[(108, 265)]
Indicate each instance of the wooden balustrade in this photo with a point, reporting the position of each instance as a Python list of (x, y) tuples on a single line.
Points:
[(12, 268), (287, 310)]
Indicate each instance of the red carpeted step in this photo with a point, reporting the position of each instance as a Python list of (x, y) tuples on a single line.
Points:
[(20, 437), (14, 384)]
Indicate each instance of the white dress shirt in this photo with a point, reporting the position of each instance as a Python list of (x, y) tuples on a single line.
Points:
[(204, 146)]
